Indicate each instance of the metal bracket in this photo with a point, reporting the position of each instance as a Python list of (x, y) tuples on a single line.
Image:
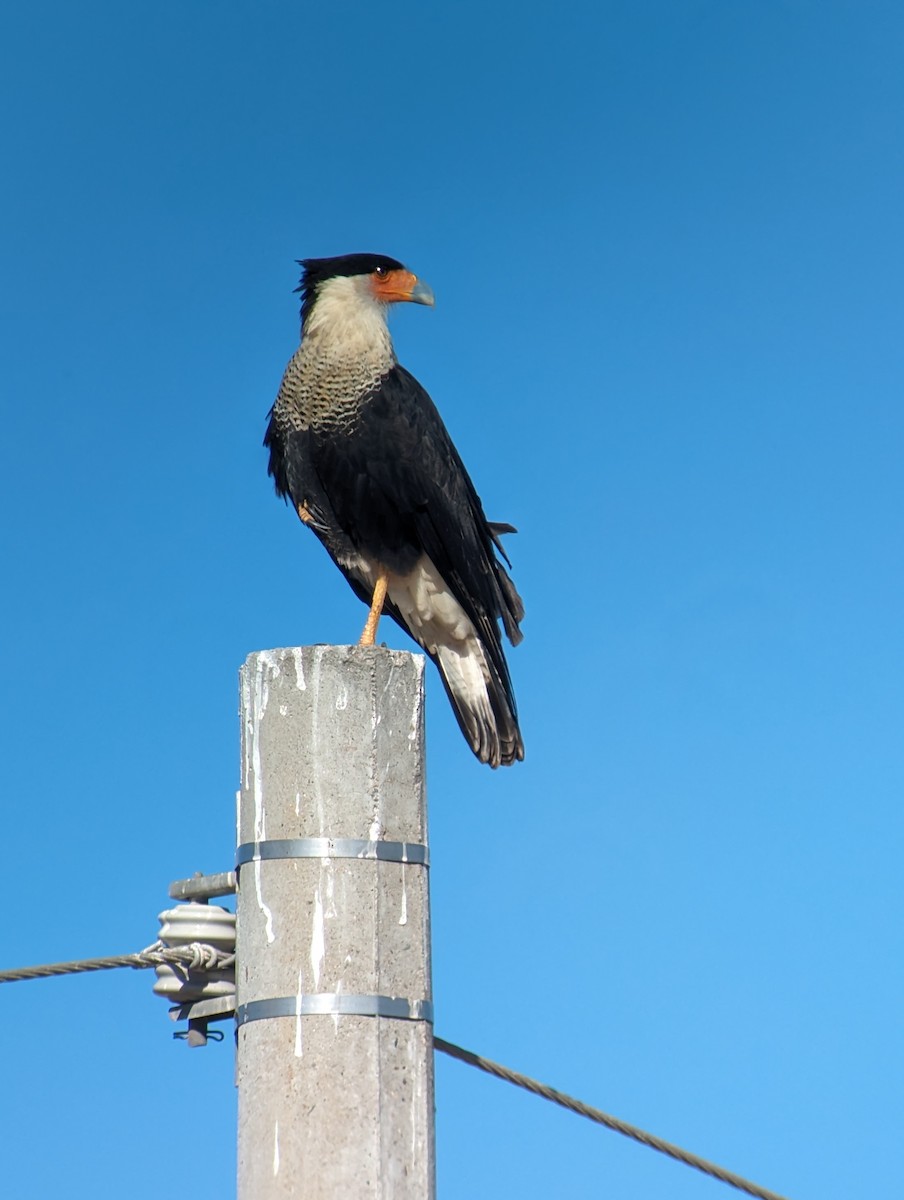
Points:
[(203, 887), (216, 1009)]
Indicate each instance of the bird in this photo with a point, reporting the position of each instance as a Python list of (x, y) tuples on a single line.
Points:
[(360, 451)]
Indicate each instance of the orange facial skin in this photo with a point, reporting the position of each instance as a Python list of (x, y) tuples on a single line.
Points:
[(390, 287)]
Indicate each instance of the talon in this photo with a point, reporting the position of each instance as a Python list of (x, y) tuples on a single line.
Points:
[(305, 514)]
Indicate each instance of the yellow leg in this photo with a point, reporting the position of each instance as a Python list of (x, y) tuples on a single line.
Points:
[(304, 514), (369, 636)]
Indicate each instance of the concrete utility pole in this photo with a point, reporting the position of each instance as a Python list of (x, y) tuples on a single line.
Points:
[(334, 1012)]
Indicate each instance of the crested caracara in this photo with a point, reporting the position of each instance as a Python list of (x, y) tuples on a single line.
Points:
[(359, 448)]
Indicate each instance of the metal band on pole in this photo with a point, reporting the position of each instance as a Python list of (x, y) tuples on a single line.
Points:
[(319, 847), (333, 1004)]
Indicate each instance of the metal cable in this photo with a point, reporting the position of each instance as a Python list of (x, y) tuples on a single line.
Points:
[(209, 958), (594, 1114), (195, 957)]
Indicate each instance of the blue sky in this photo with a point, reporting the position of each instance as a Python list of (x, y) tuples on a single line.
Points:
[(665, 240)]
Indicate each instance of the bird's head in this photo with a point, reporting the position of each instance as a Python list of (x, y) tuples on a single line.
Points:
[(357, 282)]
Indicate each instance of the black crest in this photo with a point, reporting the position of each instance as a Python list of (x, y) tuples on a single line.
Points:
[(317, 270)]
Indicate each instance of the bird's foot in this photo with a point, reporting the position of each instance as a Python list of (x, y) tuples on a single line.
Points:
[(369, 636)]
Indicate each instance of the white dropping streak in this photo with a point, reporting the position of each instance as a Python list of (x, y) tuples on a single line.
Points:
[(249, 729), (276, 1149), (299, 669), (336, 1014), (415, 716), (317, 938), (268, 915), (315, 739), (416, 1097), (261, 694), (376, 824), (298, 1018), (403, 915)]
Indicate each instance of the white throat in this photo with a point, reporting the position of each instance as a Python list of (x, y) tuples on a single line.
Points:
[(348, 322)]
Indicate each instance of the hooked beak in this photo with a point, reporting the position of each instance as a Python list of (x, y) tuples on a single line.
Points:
[(421, 293), (402, 285)]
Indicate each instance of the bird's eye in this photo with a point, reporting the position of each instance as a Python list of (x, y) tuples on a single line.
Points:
[(381, 272)]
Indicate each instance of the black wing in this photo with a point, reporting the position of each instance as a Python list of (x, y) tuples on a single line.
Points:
[(394, 487)]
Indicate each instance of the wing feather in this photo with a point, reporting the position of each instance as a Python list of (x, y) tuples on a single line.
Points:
[(390, 487)]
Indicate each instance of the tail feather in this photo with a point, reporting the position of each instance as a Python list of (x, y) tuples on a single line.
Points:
[(469, 656), (481, 703)]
